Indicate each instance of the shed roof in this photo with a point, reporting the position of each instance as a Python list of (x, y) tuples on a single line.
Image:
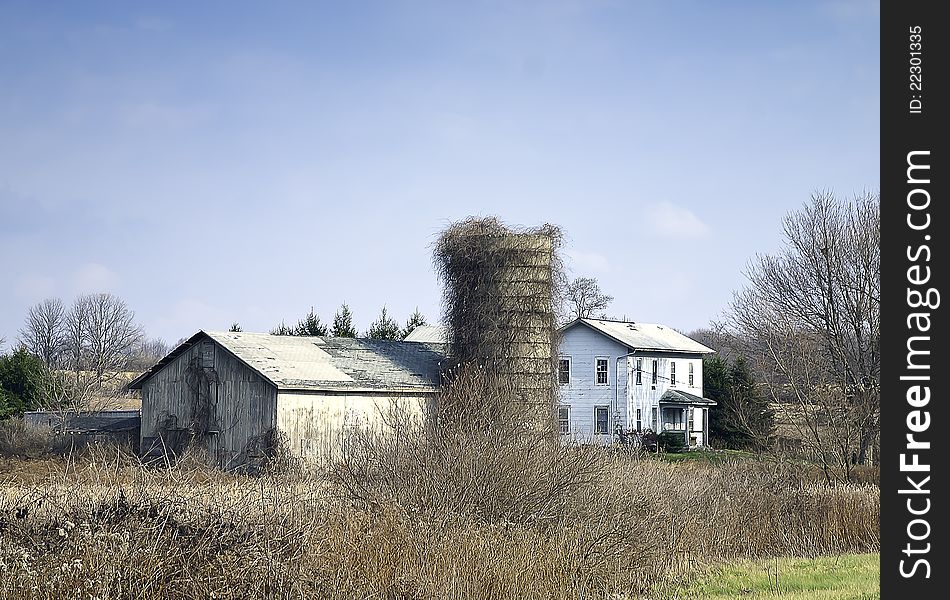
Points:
[(318, 363), (643, 336)]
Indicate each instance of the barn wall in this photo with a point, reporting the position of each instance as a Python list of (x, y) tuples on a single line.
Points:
[(316, 426), (240, 404)]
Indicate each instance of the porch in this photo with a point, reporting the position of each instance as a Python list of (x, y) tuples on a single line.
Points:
[(687, 413)]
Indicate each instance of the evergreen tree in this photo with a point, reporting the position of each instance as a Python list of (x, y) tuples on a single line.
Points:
[(742, 418), (22, 377), (384, 328), (343, 323), (310, 325), (416, 320), (283, 329)]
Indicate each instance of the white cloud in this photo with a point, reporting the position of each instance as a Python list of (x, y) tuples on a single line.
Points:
[(588, 261), (669, 220), (94, 278)]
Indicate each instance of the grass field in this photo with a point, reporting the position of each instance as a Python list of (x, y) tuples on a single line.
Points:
[(476, 514), (845, 577)]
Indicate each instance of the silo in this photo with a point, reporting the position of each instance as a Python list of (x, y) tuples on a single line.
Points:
[(500, 298)]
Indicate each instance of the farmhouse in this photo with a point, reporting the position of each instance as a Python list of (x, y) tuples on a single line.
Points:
[(235, 392), (622, 376)]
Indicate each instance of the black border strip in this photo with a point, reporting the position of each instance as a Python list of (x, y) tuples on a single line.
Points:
[(913, 246)]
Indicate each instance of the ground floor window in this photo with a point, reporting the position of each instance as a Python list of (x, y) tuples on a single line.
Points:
[(601, 420), (564, 418), (639, 420), (673, 419)]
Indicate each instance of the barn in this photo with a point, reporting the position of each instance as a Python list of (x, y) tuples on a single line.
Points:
[(238, 394)]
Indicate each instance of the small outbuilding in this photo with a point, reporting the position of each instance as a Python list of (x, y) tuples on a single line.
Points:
[(239, 395)]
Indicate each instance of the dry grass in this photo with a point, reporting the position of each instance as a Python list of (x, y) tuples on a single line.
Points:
[(103, 526)]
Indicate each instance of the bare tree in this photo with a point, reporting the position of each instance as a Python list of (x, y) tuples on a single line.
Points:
[(100, 342), (584, 298), (111, 334), (44, 333), (811, 315), (148, 352)]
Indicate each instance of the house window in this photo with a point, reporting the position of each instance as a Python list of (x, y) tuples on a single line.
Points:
[(601, 371), (601, 424), (689, 419), (672, 372), (564, 418), (639, 371), (653, 424), (655, 366), (639, 421), (674, 419), (690, 374), (564, 371)]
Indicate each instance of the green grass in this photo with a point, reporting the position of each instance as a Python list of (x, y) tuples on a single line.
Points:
[(850, 576), (709, 456)]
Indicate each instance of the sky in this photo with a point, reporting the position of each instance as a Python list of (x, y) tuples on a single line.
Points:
[(220, 162)]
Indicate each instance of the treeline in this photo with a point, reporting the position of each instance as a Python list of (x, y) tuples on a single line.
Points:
[(801, 341), (383, 328), (71, 354)]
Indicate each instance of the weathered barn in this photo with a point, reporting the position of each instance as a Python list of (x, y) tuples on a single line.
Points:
[(237, 394)]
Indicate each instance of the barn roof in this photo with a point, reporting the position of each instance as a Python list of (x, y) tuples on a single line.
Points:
[(432, 334), (643, 336), (324, 363)]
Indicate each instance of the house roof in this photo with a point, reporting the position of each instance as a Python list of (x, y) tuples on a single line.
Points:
[(318, 363), (643, 336), (681, 397)]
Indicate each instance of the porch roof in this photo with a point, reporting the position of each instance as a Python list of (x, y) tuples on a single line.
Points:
[(681, 397)]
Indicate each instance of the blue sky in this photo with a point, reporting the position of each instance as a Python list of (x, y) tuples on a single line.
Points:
[(219, 162)]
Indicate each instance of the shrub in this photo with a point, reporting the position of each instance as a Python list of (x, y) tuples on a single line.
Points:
[(672, 441)]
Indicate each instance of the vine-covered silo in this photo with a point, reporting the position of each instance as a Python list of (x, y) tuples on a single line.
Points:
[(500, 287)]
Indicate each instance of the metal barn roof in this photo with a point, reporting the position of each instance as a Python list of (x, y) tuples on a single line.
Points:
[(432, 334), (643, 336), (318, 363)]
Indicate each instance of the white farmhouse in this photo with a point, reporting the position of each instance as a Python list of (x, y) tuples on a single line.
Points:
[(620, 376)]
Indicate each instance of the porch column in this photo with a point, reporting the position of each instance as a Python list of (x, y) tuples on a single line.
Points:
[(706, 428), (686, 410)]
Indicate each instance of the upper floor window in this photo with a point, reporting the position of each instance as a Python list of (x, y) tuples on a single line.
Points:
[(690, 374), (639, 371), (564, 371), (564, 418), (656, 365), (601, 420), (672, 372), (601, 371)]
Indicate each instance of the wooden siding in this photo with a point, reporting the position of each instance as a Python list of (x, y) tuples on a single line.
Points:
[(583, 346), (646, 396), (242, 403), (316, 426)]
